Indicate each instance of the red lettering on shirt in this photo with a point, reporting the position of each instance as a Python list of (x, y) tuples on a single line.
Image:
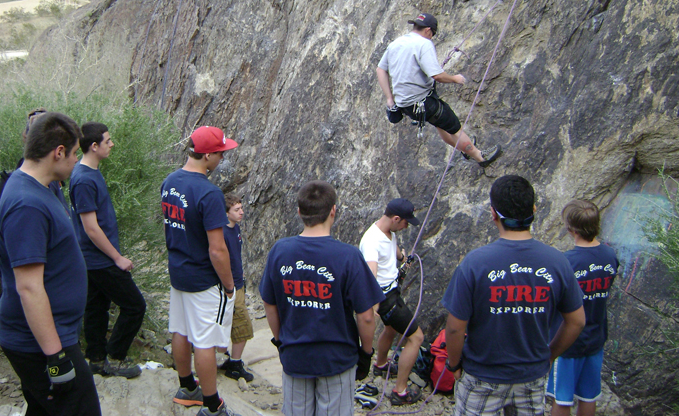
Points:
[(496, 293), (309, 289), (524, 293), (542, 293), (519, 293), (299, 288), (324, 291)]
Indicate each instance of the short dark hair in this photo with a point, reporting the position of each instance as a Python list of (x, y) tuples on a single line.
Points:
[(315, 201), (513, 197), (48, 132), (231, 200), (32, 115), (93, 132), (582, 217), (192, 154)]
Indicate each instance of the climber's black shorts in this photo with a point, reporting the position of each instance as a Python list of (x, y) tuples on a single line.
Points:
[(438, 113)]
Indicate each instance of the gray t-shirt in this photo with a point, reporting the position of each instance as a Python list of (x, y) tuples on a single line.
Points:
[(411, 62)]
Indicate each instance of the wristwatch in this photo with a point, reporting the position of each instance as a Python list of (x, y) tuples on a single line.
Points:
[(453, 369)]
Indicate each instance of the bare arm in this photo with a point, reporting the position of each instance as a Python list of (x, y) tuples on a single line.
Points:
[(274, 319), (36, 305), (455, 330), (96, 234), (449, 79), (568, 332), (219, 256), (366, 329), (383, 80), (373, 268)]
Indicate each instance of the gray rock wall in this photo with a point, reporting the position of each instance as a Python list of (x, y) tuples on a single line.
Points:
[(580, 95)]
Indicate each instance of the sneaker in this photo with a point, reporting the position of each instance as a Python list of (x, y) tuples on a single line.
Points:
[(382, 371), (413, 394), (187, 398), (489, 155), (121, 368), (235, 370), (97, 367), (221, 411), (466, 156), (367, 390)]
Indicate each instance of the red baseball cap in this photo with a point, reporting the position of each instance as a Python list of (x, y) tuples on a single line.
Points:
[(208, 139)]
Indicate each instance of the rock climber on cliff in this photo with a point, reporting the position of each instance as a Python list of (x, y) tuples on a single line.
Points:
[(411, 63)]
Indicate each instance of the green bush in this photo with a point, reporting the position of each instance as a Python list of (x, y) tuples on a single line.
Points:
[(15, 14), (663, 228), (55, 8), (142, 157)]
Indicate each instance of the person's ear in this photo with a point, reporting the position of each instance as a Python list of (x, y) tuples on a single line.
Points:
[(493, 214)]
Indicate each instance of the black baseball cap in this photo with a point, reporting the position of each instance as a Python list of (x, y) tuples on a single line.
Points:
[(404, 209), (426, 20)]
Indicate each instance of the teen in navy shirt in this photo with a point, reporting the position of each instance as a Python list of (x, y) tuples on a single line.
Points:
[(44, 277), (201, 297), (577, 372), (311, 288), (108, 271), (504, 296)]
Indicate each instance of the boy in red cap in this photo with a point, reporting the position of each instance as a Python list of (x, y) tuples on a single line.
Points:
[(201, 297)]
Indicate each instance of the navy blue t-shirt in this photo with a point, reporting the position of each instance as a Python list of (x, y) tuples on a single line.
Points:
[(88, 192), (509, 292), (595, 268), (317, 283), (192, 205), (235, 243), (35, 228)]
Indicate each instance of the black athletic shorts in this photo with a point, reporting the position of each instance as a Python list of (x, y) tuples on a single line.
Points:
[(396, 314), (438, 113)]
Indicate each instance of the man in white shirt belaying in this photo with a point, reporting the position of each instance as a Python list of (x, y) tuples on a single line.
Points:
[(381, 252)]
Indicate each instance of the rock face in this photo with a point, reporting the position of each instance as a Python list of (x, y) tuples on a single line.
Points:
[(580, 95)]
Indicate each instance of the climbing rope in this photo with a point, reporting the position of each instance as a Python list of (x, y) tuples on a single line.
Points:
[(426, 219)]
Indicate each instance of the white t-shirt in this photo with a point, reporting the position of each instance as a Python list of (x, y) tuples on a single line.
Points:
[(376, 246), (411, 63)]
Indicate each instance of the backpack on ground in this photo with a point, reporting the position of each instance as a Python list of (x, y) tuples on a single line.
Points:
[(440, 354)]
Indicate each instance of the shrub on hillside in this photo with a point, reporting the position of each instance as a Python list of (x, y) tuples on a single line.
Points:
[(663, 228), (15, 14), (141, 159)]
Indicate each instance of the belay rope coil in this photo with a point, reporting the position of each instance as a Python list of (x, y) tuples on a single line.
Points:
[(373, 412)]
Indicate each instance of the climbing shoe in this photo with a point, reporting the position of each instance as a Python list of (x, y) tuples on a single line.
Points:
[(466, 156), (382, 371), (235, 370), (489, 155), (121, 368), (186, 397), (413, 394), (221, 411), (97, 367)]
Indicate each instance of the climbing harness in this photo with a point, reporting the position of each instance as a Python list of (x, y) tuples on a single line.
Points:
[(431, 205)]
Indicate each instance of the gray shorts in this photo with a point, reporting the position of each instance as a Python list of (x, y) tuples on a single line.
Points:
[(332, 395), (474, 397)]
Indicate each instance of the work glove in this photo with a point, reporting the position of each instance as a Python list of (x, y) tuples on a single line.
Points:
[(61, 372), (363, 365)]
